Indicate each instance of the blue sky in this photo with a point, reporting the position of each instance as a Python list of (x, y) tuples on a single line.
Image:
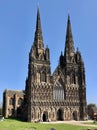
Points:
[(17, 27)]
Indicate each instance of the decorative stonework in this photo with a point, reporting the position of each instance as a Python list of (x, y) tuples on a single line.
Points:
[(12, 100), (60, 96)]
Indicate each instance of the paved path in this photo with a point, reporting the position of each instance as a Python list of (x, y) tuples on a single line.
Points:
[(79, 123)]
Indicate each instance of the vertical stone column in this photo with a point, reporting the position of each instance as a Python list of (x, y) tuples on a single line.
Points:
[(55, 114), (6, 104), (15, 105), (47, 78)]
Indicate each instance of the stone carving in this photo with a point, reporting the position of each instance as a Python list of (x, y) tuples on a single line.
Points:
[(50, 97)]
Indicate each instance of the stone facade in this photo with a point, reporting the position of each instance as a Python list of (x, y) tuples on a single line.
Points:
[(57, 96), (12, 100)]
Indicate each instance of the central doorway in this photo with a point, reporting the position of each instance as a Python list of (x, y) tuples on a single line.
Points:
[(60, 115), (45, 116), (75, 115)]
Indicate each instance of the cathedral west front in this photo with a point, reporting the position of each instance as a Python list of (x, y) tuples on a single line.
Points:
[(50, 97)]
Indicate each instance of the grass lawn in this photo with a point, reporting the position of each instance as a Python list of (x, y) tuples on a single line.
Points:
[(91, 123), (9, 124)]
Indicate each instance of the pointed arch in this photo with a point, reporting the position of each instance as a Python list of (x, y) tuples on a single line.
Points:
[(45, 116), (43, 77), (58, 92), (75, 115), (20, 101), (60, 114), (11, 101)]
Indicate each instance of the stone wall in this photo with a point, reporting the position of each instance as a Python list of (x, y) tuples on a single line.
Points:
[(12, 100)]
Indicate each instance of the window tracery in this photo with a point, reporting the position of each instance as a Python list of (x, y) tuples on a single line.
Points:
[(58, 93)]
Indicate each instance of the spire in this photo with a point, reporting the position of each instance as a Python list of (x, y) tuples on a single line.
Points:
[(69, 32), (69, 44), (38, 40), (38, 22)]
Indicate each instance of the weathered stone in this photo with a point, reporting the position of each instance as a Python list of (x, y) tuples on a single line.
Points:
[(57, 96)]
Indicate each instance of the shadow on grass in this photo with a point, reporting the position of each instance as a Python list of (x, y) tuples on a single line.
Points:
[(15, 119)]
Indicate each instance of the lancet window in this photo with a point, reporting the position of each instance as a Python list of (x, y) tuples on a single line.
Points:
[(58, 93), (43, 77)]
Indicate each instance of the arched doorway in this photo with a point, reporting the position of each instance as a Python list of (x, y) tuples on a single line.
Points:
[(75, 115), (45, 116), (60, 115)]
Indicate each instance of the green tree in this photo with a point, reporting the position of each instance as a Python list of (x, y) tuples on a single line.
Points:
[(89, 109), (91, 105)]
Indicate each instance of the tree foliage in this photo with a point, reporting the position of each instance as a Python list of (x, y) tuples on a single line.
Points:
[(91, 105)]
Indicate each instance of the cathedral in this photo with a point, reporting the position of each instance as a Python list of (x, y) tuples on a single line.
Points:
[(50, 97)]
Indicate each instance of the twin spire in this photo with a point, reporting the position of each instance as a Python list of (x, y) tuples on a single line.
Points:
[(38, 40)]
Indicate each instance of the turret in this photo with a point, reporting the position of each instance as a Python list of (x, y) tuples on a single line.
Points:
[(47, 56), (61, 60), (78, 56)]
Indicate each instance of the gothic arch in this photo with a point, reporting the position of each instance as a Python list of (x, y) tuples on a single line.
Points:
[(75, 115), (58, 92), (11, 101), (20, 100), (60, 114), (45, 116)]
